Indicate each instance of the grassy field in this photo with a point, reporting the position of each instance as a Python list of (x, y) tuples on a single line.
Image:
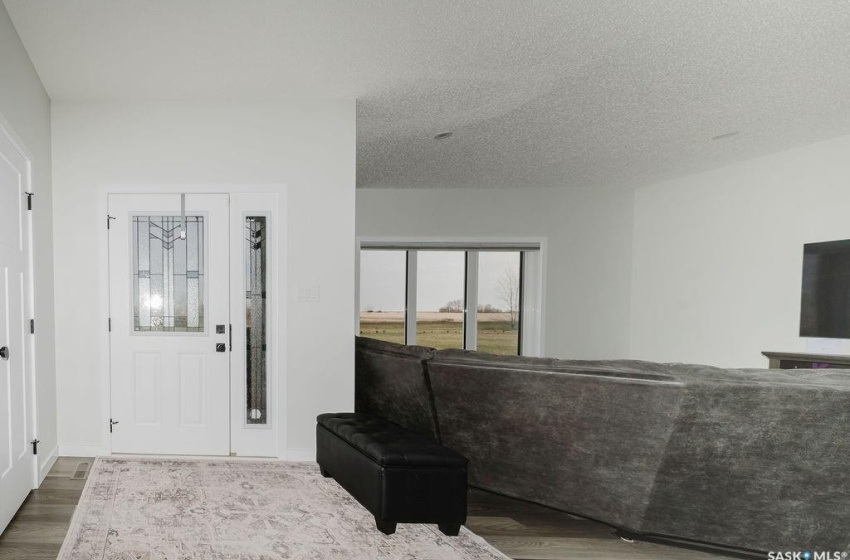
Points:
[(496, 337)]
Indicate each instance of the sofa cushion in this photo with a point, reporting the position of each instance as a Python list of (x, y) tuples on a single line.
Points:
[(588, 442), (757, 459), (625, 369), (391, 381)]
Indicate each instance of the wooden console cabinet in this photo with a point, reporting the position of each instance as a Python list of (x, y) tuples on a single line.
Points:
[(787, 360)]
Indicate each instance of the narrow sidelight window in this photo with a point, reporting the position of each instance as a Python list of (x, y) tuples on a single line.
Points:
[(255, 319)]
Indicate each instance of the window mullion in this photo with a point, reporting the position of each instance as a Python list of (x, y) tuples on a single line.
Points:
[(531, 312), (521, 302), (470, 314), (410, 300)]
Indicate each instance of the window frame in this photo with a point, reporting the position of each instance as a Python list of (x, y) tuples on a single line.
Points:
[(532, 253)]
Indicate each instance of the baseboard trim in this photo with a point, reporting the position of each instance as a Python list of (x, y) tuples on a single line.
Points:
[(83, 451), (45, 467), (301, 454)]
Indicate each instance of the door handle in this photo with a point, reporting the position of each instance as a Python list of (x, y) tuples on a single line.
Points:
[(4, 353), (220, 347)]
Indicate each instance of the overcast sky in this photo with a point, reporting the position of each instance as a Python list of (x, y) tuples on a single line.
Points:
[(440, 279)]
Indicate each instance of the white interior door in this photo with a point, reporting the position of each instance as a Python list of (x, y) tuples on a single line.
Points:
[(169, 309), (16, 459)]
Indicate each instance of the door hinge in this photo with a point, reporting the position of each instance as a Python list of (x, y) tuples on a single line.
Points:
[(35, 443), (112, 423), (110, 324), (29, 199), (109, 219), (32, 326)]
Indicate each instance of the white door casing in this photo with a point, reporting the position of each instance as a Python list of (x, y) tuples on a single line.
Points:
[(169, 390), (17, 462)]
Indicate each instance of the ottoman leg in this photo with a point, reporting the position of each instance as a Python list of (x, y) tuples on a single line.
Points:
[(324, 472), (385, 527), (449, 529)]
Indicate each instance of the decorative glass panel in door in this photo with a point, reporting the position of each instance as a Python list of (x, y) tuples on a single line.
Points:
[(168, 274)]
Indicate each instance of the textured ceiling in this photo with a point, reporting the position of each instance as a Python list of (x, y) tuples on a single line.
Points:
[(538, 93)]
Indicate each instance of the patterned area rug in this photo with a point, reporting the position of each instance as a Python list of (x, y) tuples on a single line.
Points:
[(154, 509)]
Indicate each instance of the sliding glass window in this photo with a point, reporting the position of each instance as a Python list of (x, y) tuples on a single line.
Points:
[(451, 296), (440, 278), (382, 295), (499, 302)]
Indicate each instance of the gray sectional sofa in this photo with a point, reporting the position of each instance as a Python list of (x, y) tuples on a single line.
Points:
[(751, 459)]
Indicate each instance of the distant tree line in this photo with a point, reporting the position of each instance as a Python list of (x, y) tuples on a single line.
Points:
[(508, 289), (456, 306)]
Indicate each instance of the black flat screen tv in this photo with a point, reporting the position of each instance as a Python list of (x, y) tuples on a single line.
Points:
[(825, 303)]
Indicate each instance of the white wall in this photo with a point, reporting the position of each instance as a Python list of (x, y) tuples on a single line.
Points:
[(588, 250), (718, 256), (25, 107), (309, 146)]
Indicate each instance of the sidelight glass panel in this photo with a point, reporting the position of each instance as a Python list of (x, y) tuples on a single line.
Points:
[(498, 302), (256, 241), (440, 298), (382, 294), (168, 274)]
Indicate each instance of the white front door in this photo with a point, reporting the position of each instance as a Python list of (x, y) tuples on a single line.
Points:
[(16, 459), (169, 310)]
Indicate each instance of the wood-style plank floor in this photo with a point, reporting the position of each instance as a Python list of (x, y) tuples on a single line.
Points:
[(38, 529), (519, 529)]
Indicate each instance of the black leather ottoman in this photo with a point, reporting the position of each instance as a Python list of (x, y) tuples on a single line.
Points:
[(399, 476)]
